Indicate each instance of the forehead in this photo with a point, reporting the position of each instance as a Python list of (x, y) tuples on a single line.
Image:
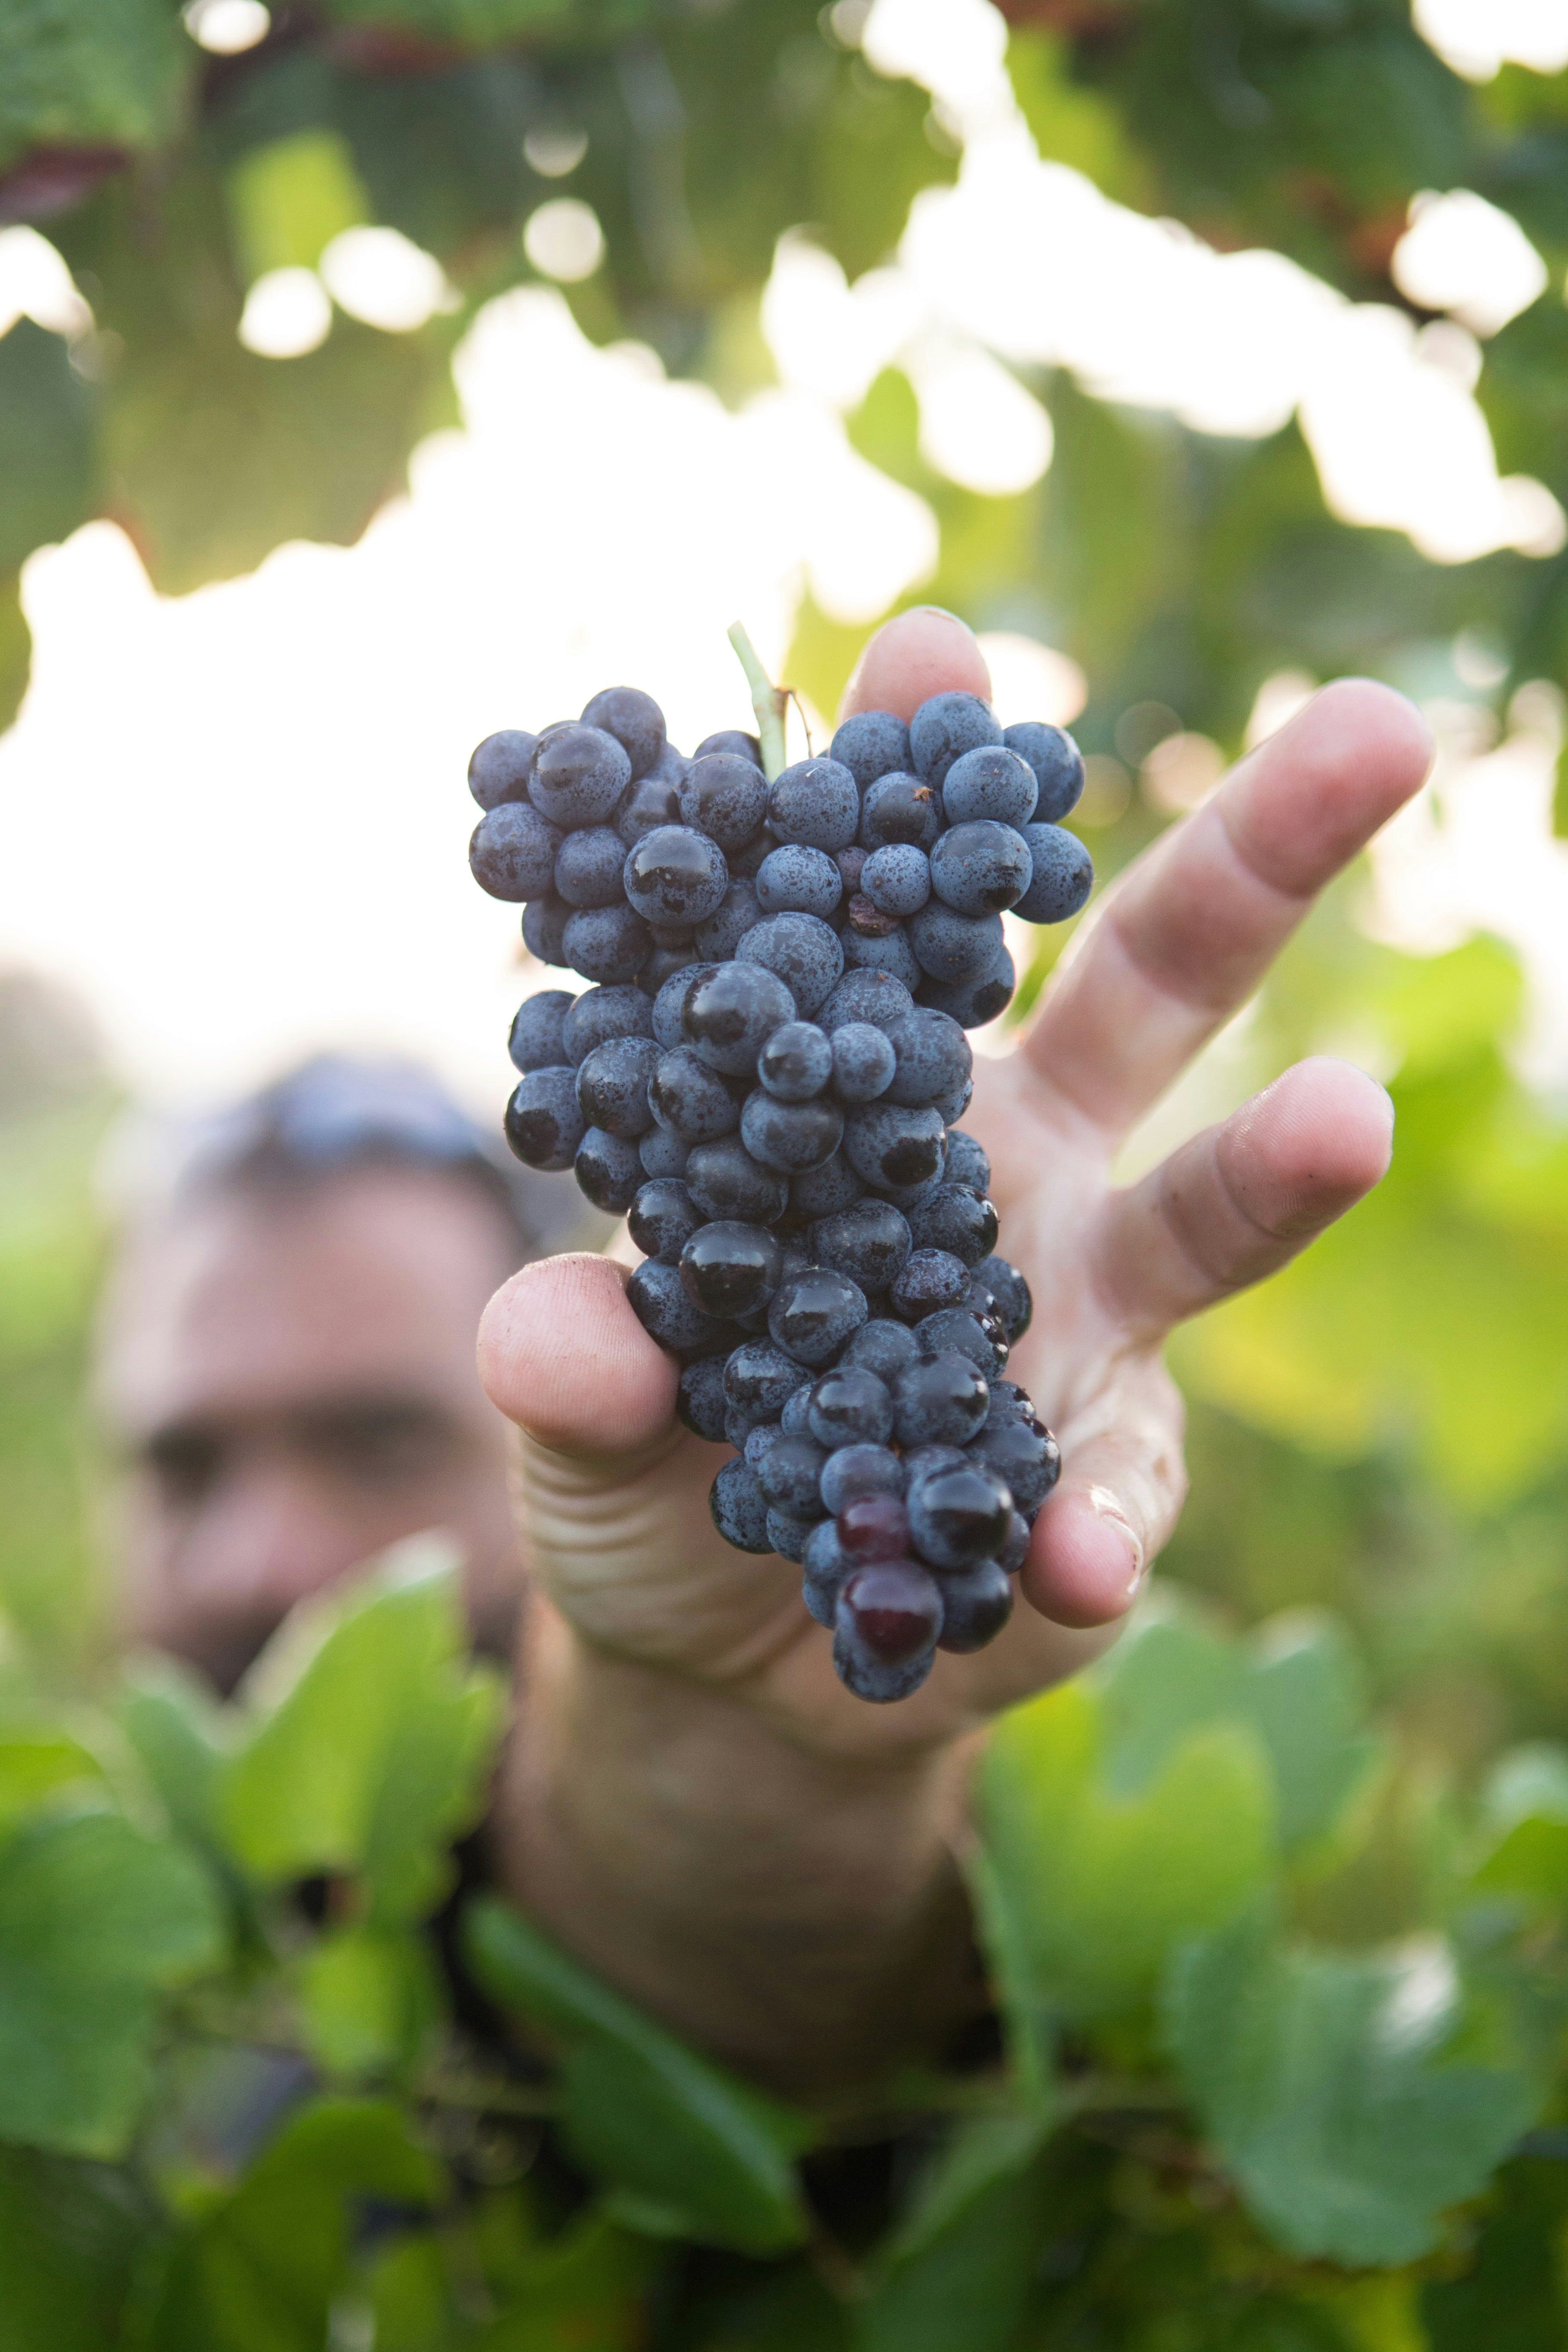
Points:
[(242, 1300)]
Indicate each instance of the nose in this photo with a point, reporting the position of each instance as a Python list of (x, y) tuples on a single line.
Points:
[(266, 1535)]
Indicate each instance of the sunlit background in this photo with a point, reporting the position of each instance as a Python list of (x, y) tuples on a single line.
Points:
[(234, 821)]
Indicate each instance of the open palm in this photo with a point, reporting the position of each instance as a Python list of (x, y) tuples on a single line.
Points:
[(614, 1492)]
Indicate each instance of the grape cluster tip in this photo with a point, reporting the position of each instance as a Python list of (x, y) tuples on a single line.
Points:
[(764, 1077)]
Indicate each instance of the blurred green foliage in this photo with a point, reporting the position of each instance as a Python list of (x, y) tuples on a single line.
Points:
[(1275, 1901)]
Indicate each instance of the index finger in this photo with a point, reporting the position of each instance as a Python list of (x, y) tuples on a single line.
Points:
[(917, 654)]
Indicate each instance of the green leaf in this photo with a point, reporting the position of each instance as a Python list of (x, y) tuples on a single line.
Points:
[(584, 2291), (1090, 1883), (95, 1921), (1510, 2297), (37, 1762), (368, 2001), (290, 198), (260, 2271), (49, 460), (961, 2274), (1524, 1806), (690, 2149), (370, 1737), (111, 74), (70, 2236), (981, 2151), (182, 1739), (1323, 2080), (16, 650)]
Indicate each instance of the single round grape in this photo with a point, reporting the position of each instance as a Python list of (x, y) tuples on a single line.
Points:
[(910, 1196), (739, 911), (738, 1427), (869, 1243), (975, 1607), (947, 726), (634, 719), (955, 1331), (1015, 1303), (1009, 1402), (690, 1099), (760, 1380), (892, 954), (871, 744), (932, 1279), (1014, 1546), (579, 775), (980, 867), (873, 997), (900, 807), (794, 880), (959, 1517), (796, 1061), (989, 781), (728, 1014), (789, 1477), (544, 924), (816, 802), (662, 1152), (922, 1462), (729, 1269), (888, 1145), (790, 1135), (824, 1191), (852, 1472), (652, 802), (601, 1014), (608, 1170), (940, 1400), (863, 1062), (826, 1568), (1057, 764), (498, 767), (667, 1311), (802, 951), (1024, 1453), (605, 943), (885, 1630), (588, 867), (739, 1511), (932, 1057), (972, 1002), (725, 795), (814, 1314), (675, 875), (726, 1181), (953, 1219), (535, 1042), (613, 1083), (967, 1163), (874, 1527), (795, 1418), (700, 1402), (1062, 875), (730, 738), (662, 1220), (513, 852), (883, 1347), (951, 946), (544, 1124), (789, 1536), (897, 879), (851, 1406)]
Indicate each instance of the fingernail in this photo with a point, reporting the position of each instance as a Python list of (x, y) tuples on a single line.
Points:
[(1105, 1506)]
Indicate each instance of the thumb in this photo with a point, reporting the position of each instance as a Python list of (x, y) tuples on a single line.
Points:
[(561, 1353)]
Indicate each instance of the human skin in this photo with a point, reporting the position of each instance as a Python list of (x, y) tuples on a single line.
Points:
[(693, 1802), (288, 1374)]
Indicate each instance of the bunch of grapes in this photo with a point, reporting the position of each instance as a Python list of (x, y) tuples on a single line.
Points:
[(765, 1077)]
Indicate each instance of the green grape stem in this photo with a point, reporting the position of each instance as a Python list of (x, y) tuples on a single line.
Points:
[(769, 702)]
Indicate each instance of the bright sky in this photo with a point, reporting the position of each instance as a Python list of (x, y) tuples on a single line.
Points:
[(236, 821)]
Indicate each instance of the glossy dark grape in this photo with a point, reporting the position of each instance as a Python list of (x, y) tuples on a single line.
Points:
[(886, 1627), (1011, 1293), (956, 1220), (513, 852), (740, 1513), (649, 803), (959, 1517), (675, 875), (690, 1099), (702, 1404), (932, 1055), (802, 951), (954, 945), (499, 770), (882, 1346), (545, 928), (544, 1124), (612, 1086), (662, 1220), (605, 943), (958, 1330), (579, 775), (794, 880), (815, 1313), (974, 1607), (874, 1527), (792, 1136), (1057, 764), (852, 1472), (940, 1400), (890, 1147), (728, 1016), (725, 1181), (760, 1380), (536, 1041), (851, 1406), (797, 1062), (900, 808), (634, 719), (869, 1242), (729, 1269), (816, 802), (789, 1475), (1024, 1455), (863, 1062), (1061, 875), (666, 1309), (944, 727), (931, 1279), (871, 744)]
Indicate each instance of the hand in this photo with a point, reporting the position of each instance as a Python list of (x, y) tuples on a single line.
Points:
[(615, 1493)]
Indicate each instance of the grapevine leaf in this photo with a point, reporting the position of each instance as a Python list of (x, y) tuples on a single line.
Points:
[(95, 1921), (1525, 1809), (69, 2235), (48, 460), (964, 2275), (112, 74), (1325, 2082), (368, 2001), (371, 1734), (181, 1740), (691, 2149), (1510, 2297)]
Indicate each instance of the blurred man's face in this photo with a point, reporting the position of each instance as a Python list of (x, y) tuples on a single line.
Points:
[(291, 1375)]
